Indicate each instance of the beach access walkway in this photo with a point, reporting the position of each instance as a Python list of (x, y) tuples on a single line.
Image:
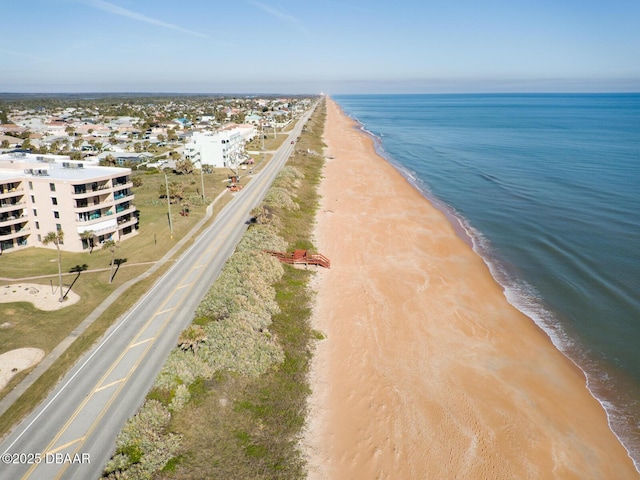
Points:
[(301, 257)]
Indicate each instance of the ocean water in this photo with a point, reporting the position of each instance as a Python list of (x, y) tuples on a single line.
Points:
[(548, 189)]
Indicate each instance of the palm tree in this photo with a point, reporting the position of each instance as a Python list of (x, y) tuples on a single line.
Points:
[(112, 246), (56, 238), (88, 235)]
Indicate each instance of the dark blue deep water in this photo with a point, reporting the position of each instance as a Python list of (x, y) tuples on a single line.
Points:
[(548, 189)]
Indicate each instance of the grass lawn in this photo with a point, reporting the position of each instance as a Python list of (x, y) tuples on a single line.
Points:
[(30, 327), (270, 142)]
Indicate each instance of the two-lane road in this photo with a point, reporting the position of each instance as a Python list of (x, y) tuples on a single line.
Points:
[(72, 433)]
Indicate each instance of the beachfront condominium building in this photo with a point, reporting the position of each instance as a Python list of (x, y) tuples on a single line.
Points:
[(44, 193), (216, 149)]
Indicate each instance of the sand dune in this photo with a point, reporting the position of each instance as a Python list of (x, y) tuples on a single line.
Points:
[(427, 371)]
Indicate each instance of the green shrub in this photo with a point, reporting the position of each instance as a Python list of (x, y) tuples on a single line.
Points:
[(278, 197), (288, 178), (244, 283), (261, 237), (143, 447)]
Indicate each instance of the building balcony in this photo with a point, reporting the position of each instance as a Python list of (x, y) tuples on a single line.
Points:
[(92, 216), (83, 207), (125, 209), (122, 197), (126, 221), (7, 220), (90, 190), (8, 207), (11, 234), (11, 192), (122, 185), (88, 209)]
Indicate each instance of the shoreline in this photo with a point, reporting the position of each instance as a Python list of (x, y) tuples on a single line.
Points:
[(456, 222), (515, 291), (461, 362)]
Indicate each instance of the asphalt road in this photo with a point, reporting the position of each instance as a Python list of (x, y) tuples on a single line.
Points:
[(71, 435)]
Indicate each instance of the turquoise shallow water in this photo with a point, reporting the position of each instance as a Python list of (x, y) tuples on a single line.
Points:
[(548, 188)]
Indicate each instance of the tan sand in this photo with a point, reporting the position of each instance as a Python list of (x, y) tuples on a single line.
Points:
[(41, 296), (427, 371), (15, 361)]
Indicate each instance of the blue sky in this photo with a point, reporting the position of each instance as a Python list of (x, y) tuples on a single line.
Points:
[(334, 46)]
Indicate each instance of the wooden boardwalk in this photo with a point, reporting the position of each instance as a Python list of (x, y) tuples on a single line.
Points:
[(301, 257)]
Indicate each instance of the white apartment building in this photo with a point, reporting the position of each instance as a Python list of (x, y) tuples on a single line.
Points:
[(44, 193), (220, 149)]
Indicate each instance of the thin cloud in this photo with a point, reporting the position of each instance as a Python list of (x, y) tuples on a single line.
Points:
[(116, 10), (347, 6), (23, 55), (278, 13)]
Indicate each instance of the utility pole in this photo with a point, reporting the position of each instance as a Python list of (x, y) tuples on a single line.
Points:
[(202, 178), (166, 184)]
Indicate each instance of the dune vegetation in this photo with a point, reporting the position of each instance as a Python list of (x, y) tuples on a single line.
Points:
[(230, 402)]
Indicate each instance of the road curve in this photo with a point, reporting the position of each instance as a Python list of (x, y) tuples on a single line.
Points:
[(71, 435)]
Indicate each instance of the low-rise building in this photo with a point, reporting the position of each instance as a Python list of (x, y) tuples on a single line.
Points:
[(44, 193), (216, 149)]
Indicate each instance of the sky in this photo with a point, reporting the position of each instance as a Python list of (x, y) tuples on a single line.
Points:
[(330, 46)]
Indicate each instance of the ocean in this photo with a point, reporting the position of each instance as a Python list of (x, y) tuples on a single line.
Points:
[(547, 188)]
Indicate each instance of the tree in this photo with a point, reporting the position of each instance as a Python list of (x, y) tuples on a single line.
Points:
[(108, 161), (89, 236), (176, 191), (112, 246), (184, 166), (56, 238)]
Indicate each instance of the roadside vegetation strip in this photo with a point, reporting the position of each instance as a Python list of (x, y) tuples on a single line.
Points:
[(29, 327), (235, 389)]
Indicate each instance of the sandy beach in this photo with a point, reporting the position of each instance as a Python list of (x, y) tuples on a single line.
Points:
[(427, 372)]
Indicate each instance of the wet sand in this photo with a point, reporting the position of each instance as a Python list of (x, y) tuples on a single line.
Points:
[(427, 371)]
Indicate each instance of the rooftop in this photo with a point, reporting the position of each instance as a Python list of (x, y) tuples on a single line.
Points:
[(55, 167)]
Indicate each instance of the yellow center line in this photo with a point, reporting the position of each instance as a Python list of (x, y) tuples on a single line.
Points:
[(66, 445), (105, 376), (184, 286), (104, 387), (140, 343), (100, 382), (114, 396)]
